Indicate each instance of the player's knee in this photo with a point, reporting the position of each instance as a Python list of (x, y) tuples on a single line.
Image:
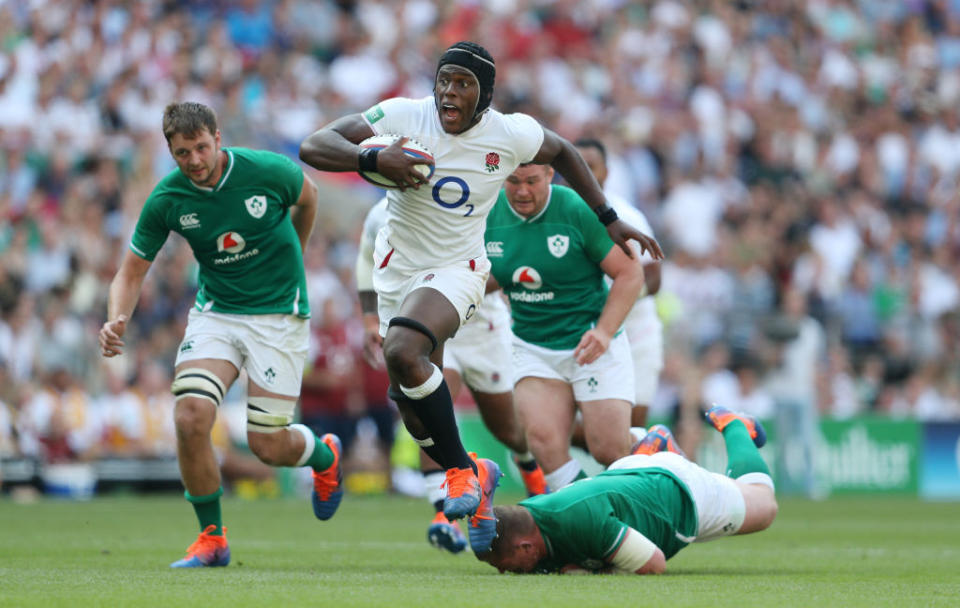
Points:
[(606, 451), (606, 455), (405, 360), (194, 417), (770, 510), (543, 436)]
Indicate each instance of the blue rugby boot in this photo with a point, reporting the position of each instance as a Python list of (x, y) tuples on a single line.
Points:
[(483, 524), (446, 534), (328, 484), (208, 551)]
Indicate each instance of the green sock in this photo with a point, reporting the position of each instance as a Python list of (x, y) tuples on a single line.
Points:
[(322, 456), (208, 510), (742, 455)]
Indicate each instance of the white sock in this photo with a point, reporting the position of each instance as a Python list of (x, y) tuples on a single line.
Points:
[(564, 475), (638, 433), (758, 478), (309, 442), (431, 485)]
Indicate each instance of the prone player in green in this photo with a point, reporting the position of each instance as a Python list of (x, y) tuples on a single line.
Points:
[(247, 215), (549, 254), (641, 511)]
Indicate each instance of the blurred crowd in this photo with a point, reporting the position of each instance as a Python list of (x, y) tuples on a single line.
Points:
[(798, 160)]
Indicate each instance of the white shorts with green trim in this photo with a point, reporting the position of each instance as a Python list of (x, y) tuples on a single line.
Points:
[(272, 348), (719, 502), (609, 377)]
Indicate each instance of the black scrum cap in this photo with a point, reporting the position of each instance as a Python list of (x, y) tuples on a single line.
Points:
[(473, 57)]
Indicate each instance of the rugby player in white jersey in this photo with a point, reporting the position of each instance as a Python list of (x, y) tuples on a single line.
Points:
[(431, 266), (642, 325), (479, 357)]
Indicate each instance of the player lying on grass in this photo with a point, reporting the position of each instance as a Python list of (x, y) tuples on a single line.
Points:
[(641, 511)]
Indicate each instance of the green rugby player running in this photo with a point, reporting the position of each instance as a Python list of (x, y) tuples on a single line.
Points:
[(641, 511), (550, 255), (247, 215)]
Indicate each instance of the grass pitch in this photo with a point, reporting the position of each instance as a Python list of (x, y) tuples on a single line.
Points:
[(115, 552)]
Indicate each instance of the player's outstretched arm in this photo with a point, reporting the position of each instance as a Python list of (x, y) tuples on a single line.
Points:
[(334, 148), (564, 157), (124, 293)]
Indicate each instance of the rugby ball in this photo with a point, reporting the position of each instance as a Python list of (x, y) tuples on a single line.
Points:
[(411, 147)]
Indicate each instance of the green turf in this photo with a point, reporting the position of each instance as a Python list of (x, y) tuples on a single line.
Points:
[(115, 551)]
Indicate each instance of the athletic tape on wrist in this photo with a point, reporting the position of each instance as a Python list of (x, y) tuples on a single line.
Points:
[(367, 160), (606, 214)]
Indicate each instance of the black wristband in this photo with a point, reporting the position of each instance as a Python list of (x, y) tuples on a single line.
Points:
[(606, 214), (368, 159)]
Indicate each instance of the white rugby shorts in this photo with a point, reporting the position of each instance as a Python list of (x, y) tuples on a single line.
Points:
[(462, 283), (481, 352), (272, 348), (646, 347), (609, 377), (719, 501)]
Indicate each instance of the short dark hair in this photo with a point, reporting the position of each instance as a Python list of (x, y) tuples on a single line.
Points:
[(592, 142), (188, 118), (512, 521)]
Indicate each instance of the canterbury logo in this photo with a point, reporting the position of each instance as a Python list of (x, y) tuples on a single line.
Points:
[(495, 248), (189, 220)]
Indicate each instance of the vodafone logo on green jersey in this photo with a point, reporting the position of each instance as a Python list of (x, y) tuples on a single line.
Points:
[(528, 277), (231, 242)]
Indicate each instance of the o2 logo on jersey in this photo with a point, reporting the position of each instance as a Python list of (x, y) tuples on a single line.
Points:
[(447, 200), (528, 277), (231, 242)]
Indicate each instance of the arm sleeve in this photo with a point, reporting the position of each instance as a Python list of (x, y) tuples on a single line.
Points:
[(526, 134), (391, 115), (595, 530), (288, 177), (596, 242), (151, 230), (634, 551)]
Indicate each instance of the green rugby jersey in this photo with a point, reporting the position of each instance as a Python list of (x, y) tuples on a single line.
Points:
[(240, 232), (585, 523), (549, 267)]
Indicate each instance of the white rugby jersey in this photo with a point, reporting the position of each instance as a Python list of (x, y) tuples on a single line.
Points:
[(443, 222), (375, 220), (493, 310), (642, 318)]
